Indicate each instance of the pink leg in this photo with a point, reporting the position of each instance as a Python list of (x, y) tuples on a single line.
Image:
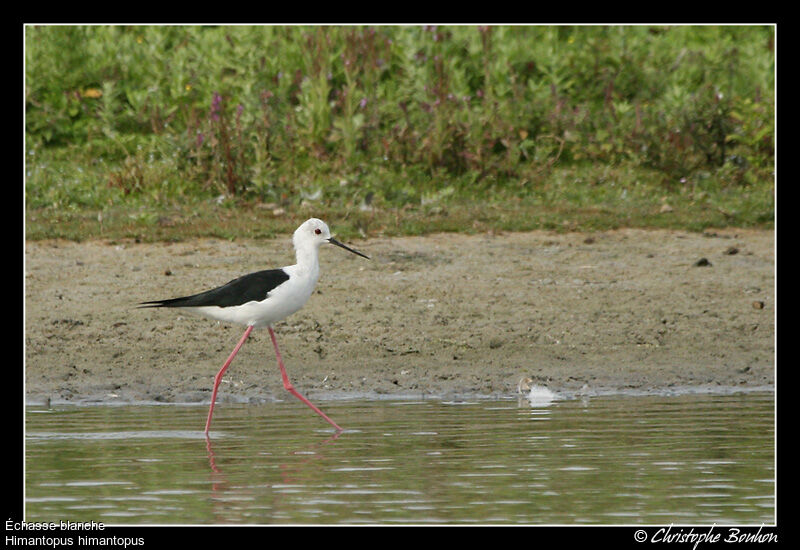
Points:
[(218, 377), (290, 388)]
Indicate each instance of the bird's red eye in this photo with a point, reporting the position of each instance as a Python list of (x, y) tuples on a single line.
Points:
[(318, 231)]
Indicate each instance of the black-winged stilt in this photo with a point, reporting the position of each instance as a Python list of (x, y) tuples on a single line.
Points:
[(263, 298)]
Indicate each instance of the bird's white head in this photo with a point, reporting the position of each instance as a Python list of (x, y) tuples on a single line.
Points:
[(314, 232)]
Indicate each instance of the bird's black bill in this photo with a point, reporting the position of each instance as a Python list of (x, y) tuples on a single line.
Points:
[(337, 243)]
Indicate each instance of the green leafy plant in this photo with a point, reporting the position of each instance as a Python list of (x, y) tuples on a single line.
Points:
[(400, 113)]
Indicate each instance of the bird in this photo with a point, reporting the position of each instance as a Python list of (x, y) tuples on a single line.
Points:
[(537, 395), (263, 298)]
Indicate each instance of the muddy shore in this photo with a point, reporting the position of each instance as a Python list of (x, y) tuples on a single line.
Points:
[(439, 315)]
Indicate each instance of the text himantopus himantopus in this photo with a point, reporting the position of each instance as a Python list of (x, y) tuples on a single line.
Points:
[(263, 298)]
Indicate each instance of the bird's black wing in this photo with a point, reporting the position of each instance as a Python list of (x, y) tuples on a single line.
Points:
[(253, 286)]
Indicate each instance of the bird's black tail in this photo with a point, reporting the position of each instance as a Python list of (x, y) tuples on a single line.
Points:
[(173, 302)]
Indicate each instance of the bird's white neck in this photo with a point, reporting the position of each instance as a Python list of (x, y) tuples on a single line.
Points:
[(308, 258)]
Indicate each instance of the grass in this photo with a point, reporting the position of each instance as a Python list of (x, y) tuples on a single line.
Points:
[(572, 199), (173, 132)]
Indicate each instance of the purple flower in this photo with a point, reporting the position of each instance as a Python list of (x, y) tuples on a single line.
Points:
[(363, 102), (216, 104)]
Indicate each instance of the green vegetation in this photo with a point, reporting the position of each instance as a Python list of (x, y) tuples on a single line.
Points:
[(163, 132)]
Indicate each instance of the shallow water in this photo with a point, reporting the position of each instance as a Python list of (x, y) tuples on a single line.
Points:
[(693, 459)]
